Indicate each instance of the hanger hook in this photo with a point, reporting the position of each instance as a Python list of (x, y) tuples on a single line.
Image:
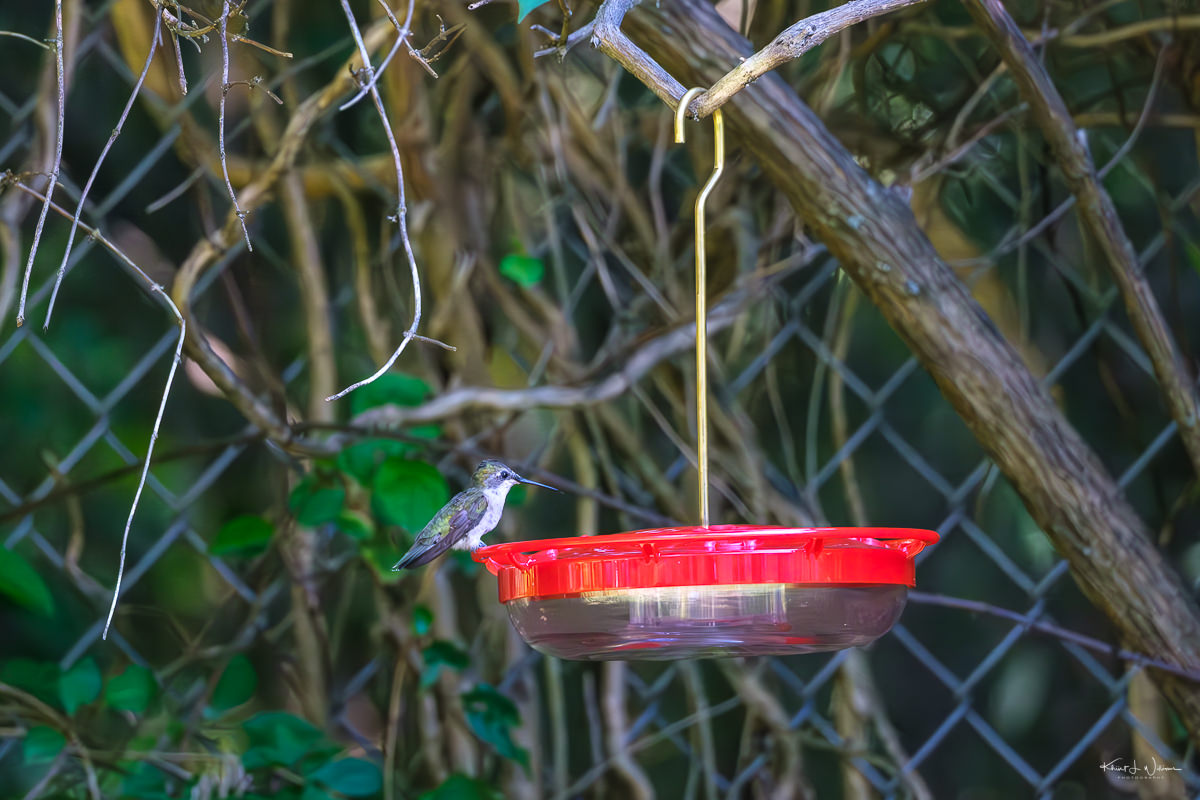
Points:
[(701, 291)]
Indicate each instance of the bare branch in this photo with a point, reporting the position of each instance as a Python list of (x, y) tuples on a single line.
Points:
[(1055, 631), (54, 167), (1098, 214), (573, 39), (87, 187), (633, 367), (790, 44), (221, 123), (153, 288), (612, 41), (207, 250), (1067, 36), (25, 38), (401, 216), (872, 232), (403, 37), (183, 86)]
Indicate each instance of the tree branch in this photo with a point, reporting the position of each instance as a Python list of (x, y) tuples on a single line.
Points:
[(207, 251), (1099, 215), (793, 42), (790, 44), (873, 234), (634, 367)]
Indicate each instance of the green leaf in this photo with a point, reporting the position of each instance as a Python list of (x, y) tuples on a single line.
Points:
[(246, 535), (460, 787), (465, 563), (352, 777), (236, 685), (20, 582), (431, 431), (314, 792), (393, 387), (524, 271), (42, 744), (408, 493), (382, 559), (422, 620), (142, 781), (313, 504), (525, 6), (132, 690), (441, 654), (361, 460), (355, 525), (492, 716), (1193, 255), (277, 737), (80, 685), (39, 678)]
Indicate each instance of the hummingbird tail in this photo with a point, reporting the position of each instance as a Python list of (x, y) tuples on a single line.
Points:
[(418, 557)]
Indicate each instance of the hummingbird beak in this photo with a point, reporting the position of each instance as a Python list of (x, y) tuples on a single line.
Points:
[(535, 483)]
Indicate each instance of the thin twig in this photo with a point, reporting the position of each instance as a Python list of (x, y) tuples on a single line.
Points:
[(154, 288), (87, 187), (208, 249), (183, 85), (23, 37), (633, 367), (401, 216), (264, 47), (1087, 642), (577, 36), (221, 123), (403, 33), (793, 42), (1068, 38), (58, 145), (1098, 213)]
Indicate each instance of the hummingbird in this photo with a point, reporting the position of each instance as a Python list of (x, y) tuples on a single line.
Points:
[(468, 517)]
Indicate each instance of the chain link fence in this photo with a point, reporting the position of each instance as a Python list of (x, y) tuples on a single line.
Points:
[(822, 417)]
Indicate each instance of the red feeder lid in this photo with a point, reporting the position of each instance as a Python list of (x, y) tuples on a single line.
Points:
[(697, 556)]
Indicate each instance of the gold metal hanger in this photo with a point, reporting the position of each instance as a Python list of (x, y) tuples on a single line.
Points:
[(701, 300)]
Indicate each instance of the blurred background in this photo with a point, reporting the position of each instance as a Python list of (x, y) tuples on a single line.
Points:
[(263, 647)]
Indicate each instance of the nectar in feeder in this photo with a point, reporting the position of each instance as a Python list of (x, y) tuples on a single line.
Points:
[(726, 590)]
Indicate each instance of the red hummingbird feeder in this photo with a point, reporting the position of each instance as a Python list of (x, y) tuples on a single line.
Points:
[(708, 590)]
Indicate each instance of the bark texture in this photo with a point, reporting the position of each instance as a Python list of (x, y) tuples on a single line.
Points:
[(873, 233)]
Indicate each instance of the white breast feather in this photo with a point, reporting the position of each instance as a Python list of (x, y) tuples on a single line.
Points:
[(474, 538)]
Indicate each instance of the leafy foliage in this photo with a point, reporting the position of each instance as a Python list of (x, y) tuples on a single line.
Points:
[(245, 535), (236, 686), (352, 777), (492, 716), (438, 655), (524, 271), (461, 787), (314, 502), (20, 583), (80, 685), (408, 493), (132, 690), (525, 6), (42, 745), (393, 388)]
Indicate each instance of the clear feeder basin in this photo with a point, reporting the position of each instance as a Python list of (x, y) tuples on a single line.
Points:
[(725, 590)]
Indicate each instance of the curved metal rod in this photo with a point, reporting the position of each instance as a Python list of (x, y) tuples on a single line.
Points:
[(701, 286)]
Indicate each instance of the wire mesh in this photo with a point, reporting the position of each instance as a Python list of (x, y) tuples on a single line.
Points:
[(819, 391)]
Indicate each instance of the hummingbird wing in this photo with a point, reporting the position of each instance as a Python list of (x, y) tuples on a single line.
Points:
[(447, 526)]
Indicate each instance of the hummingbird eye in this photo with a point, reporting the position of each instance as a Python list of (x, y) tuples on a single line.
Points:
[(505, 475)]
